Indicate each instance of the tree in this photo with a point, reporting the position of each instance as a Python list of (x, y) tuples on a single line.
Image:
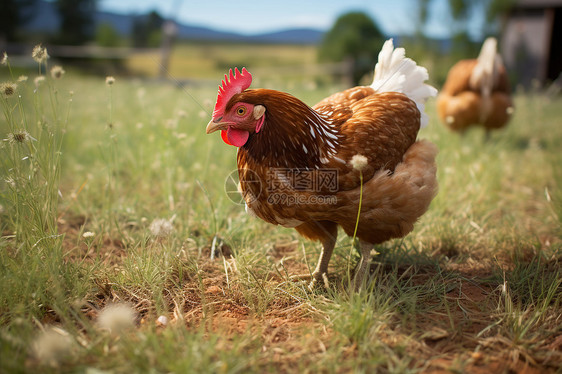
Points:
[(77, 21), (356, 38), (14, 13), (147, 30), (107, 36), (462, 10)]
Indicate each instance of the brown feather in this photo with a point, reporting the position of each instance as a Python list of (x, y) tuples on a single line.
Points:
[(461, 105), (399, 180)]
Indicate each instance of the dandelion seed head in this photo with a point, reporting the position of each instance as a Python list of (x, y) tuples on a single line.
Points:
[(359, 162), (109, 80), (161, 227), (39, 53), (22, 78), (57, 72), (52, 346), (116, 318), (39, 80), (19, 136), (171, 123), (8, 89), (10, 181), (4, 59), (162, 321)]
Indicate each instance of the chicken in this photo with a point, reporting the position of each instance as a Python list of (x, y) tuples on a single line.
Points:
[(309, 168), (476, 92)]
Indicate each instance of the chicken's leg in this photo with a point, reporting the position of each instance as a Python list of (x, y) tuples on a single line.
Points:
[(363, 266), (321, 271), (327, 233)]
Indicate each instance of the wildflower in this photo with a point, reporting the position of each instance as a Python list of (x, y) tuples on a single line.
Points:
[(4, 59), (109, 80), (39, 80), (22, 78), (171, 123), (162, 321), (19, 136), (8, 89), (359, 162), (161, 227), (52, 346), (88, 234), (117, 318), (10, 182), (57, 72), (39, 53)]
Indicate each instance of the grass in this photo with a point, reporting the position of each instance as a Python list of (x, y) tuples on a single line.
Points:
[(212, 60), (87, 205)]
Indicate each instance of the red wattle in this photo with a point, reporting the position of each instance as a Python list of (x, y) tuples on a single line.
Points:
[(235, 137), (225, 137)]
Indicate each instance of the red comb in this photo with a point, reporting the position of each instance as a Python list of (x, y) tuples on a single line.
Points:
[(231, 85)]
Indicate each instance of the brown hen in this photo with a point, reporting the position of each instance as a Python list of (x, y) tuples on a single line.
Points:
[(297, 165), (476, 92)]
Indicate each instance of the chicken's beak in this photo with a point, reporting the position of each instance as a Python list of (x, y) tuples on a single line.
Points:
[(213, 126)]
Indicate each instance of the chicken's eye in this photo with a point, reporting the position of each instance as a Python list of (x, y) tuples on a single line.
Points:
[(241, 110)]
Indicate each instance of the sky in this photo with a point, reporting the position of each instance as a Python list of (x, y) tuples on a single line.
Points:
[(258, 16)]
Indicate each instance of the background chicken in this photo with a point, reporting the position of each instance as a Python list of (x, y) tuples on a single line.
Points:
[(295, 162), (476, 92)]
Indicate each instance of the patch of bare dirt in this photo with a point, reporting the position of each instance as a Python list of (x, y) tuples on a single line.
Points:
[(454, 334), (110, 250)]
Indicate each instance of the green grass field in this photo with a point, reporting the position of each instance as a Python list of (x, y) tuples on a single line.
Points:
[(113, 194), (210, 60)]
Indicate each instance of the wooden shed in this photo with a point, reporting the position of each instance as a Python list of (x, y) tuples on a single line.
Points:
[(531, 44)]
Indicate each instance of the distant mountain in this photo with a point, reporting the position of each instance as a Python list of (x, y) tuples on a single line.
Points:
[(205, 33), (123, 24), (47, 20), (293, 36)]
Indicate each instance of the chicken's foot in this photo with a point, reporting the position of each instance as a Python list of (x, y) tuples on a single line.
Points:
[(320, 273)]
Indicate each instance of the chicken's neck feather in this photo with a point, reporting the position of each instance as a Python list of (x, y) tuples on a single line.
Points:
[(293, 135)]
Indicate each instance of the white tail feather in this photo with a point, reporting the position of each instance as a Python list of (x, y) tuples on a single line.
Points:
[(485, 72), (395, 72)]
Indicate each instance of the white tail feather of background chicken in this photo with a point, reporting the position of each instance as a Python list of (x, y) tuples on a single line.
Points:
[(395, 72), (485, 72), (485, 75)]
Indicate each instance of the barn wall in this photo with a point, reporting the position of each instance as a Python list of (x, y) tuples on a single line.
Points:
[(525, 46)]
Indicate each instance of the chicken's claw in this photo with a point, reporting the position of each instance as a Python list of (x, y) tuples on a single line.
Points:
[(314, 279)]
